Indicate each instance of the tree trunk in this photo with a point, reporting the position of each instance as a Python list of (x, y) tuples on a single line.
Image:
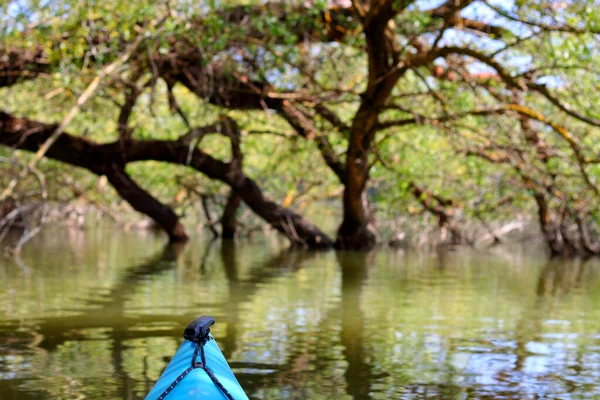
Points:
[(228, 220), (143, 202), (299, 231), (28, 135), (355, 231), (549, 227)]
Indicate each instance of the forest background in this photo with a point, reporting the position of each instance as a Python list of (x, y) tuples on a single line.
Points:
[(335, 123)]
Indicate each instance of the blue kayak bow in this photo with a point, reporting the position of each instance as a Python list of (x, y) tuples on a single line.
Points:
[(198, 370)]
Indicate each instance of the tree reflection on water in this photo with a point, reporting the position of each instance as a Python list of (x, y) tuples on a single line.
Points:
[(301, 325)]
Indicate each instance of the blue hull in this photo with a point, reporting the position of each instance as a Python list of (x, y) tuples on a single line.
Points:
[(197, 383)]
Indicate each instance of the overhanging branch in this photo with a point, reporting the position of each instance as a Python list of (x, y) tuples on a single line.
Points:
[(100, 158)]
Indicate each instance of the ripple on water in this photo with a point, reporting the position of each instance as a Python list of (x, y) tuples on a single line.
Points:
[(301, 324)]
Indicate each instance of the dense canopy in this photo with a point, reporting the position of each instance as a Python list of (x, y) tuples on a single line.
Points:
[(470, 112)]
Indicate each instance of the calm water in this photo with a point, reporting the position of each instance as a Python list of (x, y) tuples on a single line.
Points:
[(98, 314)]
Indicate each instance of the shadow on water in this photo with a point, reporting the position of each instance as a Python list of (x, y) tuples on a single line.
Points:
[(109, 312), (114, 304)]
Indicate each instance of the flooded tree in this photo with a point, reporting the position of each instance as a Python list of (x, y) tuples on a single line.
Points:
[(370, 85)]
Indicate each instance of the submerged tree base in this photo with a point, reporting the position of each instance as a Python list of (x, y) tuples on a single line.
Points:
[(363, 239)]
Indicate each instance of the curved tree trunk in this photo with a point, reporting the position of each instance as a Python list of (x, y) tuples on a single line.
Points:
[(383, 74), (98, 158), (565, 232), (355, 232), (298, 230), (143, 202), (228, 219)]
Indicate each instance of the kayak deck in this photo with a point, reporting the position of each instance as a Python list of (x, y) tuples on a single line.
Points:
[(198, 370)]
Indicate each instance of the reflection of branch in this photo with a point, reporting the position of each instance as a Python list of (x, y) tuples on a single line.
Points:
[(558, 277), (109, 312), (241, 292), (209, 247), (228, 218)]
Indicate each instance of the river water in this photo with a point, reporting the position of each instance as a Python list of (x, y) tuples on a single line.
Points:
[(98, 314)]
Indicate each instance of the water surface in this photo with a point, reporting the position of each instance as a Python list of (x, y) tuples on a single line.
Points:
[(98, 314)]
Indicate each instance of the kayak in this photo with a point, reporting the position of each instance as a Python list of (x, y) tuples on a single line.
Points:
[(198, 369)]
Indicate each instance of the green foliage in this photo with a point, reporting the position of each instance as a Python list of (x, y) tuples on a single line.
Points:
[(80, 38)]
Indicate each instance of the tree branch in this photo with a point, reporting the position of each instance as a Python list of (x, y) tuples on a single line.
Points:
[(99, 158), (306, 128)]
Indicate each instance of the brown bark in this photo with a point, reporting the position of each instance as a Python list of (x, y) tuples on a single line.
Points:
[(27, 135), (228, 219), (570, 235), (306, 128), (187, 66), (589, 244), (355, 232), (145, 203), (21, 64), (217, 84), (131, 95), (383, 56)]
